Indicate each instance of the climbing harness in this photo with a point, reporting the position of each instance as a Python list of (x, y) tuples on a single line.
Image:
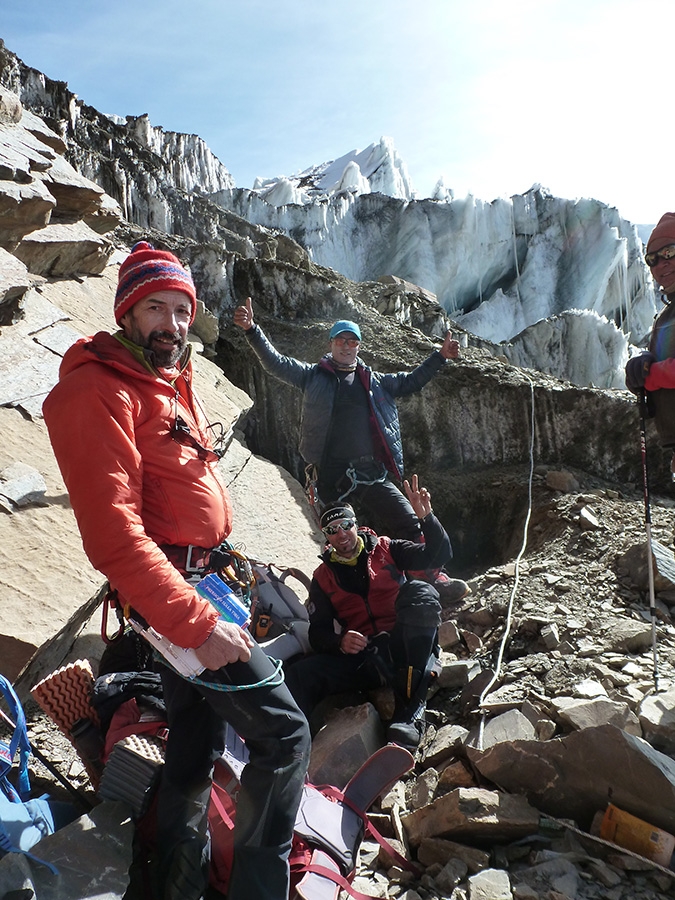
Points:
[(272, 680), (315, 504), (356, 478)]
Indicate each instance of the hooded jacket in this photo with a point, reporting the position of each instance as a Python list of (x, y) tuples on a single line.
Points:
[(132, 487), (660, 382), (318, 383)]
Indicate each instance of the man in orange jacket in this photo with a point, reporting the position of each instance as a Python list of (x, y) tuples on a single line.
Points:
[(133, 444)]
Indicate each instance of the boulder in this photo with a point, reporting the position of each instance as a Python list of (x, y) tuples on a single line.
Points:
[(344, 743), (473, 814), (440, 850), (580, 714), (575, 776), (657, 718), (509, 726)]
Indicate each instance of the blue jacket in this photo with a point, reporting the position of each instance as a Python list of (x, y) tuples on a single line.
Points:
[(318, 383)]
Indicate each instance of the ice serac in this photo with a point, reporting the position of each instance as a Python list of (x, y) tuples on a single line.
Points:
[(497, 268), (377, 168)]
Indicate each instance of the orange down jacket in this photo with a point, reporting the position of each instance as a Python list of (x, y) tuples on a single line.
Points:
[(131, 486)]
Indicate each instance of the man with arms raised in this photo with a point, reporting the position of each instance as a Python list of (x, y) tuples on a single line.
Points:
[(350, 435)]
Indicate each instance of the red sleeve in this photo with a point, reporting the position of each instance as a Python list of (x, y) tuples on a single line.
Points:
[(91, 428), (661, 375)]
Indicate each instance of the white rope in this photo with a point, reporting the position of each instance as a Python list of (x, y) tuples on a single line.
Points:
[(507, 626)]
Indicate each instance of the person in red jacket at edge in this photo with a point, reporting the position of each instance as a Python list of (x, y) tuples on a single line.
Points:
[(654, 370), (133, 444), (370, 626)]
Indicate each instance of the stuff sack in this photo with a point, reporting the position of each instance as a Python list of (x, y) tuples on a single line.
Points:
[(23, 821), (279, 619)]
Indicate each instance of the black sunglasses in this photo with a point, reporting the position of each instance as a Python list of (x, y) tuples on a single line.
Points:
[(345, 525), (664, 253)]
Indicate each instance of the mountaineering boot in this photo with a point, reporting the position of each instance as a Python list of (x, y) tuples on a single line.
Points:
[(408, 722), (412, 644), (450, 590)]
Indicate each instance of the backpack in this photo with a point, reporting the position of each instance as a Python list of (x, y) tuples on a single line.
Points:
[(329, 826), (23, 821), (279, 619)]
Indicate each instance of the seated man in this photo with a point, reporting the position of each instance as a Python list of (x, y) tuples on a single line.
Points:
[(369, 626)]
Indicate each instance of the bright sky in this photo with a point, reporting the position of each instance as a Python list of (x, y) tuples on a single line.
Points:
[(493, 95)]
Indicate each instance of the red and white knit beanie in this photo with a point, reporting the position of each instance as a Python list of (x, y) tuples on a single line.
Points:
[(146, 270), (663, 234)]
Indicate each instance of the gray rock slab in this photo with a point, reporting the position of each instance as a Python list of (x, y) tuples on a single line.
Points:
[(22, 484), (475, 815), (580, 713), (440, 850), (28, 374), (42, 131), (30, 354), (457, 672), (626, 635), (509, 726), (58, 338), (447, 742), (92, 856), (577, 775), (107, 215), (23, 155), (75, 195), (61, 251), (657, 718), (14, 279), (23, 208), (634, 562), (490, 884)]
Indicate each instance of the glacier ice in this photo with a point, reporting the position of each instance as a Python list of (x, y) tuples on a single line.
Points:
[(497, 268)]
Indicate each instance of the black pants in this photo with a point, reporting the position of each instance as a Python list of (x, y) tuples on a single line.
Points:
[(381, 506), (411, 643), (277, 739)]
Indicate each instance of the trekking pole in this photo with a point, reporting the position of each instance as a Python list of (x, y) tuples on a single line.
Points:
[(642, 405), (72, 790)]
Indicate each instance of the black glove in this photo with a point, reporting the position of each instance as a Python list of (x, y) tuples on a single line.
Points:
[(637, 369)]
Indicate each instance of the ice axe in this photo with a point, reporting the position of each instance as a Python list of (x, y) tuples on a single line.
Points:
[(642, 406)]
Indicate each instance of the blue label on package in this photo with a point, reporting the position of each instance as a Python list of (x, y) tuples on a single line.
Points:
[(222, 598)]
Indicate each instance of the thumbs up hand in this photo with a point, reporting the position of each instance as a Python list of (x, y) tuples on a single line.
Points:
[(243, 315)]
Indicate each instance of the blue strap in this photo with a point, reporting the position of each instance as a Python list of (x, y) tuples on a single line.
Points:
[(19, 741), (8, 847)]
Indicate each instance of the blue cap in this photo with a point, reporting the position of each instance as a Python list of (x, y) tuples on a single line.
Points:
[(345, 325)]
